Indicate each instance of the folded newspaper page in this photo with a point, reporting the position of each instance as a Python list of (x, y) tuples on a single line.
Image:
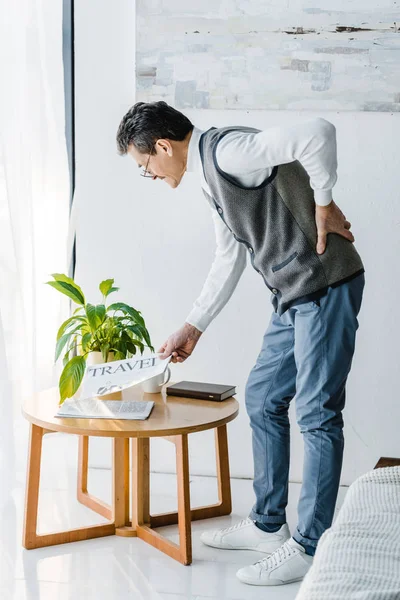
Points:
[(106, 378), (93, 408)]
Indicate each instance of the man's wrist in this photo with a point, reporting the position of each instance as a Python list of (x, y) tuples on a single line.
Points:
[(192, 329), (325, 207)]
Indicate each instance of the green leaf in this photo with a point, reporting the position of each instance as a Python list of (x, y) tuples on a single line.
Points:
[(92, 316), (86, 339), (100, 312), (140, 344), (69, 284), (105, 286), (65, 279), (68, 290), (113, 289), (105, 350), (69, 322), (64, 339), (119, 346), (132, 346), (60, 345), (96, 315), (125, 308), (143, 334), (71, 377), (66, 358), (71, 347)]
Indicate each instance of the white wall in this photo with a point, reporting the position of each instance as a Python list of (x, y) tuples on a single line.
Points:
[(158, 244)]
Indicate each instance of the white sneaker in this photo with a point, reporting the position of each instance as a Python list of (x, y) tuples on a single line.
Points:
[(245, 535), (287, 564)]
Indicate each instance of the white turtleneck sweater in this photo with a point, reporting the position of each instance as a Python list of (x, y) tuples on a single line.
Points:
[(250, 158)]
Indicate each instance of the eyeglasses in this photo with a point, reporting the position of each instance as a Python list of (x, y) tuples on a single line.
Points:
[(143, 170)]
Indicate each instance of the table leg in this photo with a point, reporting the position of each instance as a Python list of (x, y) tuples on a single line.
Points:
[(121, 492), (184, 522), (31, 539), (32, 486), (224, 504), (140, 481), (223, 472), (83, 496), (119, 473), (140, 500)]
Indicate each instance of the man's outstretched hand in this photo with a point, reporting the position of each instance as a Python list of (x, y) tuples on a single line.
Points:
[(181, 343), (330, 219)]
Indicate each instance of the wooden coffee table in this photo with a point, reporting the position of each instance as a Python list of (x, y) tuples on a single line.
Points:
[(173, 418)]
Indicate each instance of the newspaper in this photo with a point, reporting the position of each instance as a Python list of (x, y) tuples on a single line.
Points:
[(106, 378), (93, 408), (117, 375)]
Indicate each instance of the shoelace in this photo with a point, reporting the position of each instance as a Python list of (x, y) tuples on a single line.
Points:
[(273, 560), (238, 525)]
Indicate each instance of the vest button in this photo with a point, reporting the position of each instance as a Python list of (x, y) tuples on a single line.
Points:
[(274, 291), (251, 250), (220, 210)]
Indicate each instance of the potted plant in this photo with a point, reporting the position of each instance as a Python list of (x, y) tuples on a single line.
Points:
[(95, 333)]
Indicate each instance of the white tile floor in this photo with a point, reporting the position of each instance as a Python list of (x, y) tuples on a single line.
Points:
[(115, 567)]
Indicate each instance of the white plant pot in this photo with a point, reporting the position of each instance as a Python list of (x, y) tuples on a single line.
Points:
[(96, 358)]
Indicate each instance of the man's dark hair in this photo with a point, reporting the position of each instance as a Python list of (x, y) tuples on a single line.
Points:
[(146, 122)]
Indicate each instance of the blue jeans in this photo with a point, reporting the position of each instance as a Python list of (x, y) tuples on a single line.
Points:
[(306, 354)]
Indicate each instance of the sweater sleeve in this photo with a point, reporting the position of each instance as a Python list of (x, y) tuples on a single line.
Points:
[(311, 142), (222, 279)]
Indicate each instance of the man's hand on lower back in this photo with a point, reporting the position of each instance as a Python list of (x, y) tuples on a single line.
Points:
[(330, 219), (181, 343)]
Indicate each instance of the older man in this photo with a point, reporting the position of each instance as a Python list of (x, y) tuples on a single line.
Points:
[(270, 193)]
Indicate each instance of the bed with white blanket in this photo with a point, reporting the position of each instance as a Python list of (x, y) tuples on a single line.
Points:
[(358, 558)]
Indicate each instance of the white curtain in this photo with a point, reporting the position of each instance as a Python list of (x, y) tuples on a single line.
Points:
[(34, 205)]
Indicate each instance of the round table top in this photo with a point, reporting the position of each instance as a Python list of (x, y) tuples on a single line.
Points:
[(171, 415)]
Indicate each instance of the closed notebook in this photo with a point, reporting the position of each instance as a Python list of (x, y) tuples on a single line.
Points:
[(201, 390)]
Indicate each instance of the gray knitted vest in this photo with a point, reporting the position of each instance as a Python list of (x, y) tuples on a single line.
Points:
[(276, 222)]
